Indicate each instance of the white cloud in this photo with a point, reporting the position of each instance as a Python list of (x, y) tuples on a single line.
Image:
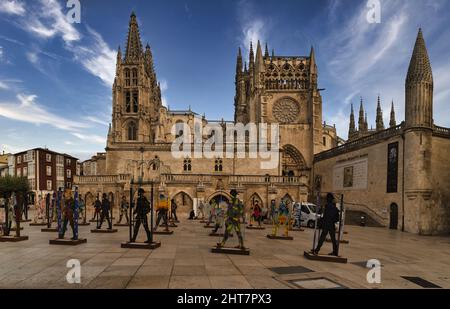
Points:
[(32, 57), (28, 110), (97, 120), (49, 21), (90, 138), (253, 26), (12, 7), (164, 85), (97, 58), (3, 85)]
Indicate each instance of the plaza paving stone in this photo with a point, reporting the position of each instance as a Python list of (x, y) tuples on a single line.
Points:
[(184, 260)]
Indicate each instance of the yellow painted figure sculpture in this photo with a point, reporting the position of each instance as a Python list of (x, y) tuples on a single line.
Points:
[(281, 218)]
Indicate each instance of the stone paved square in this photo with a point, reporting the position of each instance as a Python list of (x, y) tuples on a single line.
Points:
[(190, 265)]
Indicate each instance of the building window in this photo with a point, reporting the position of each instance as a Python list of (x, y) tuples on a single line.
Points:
[(19, 159), (48, 157), (135, 101), (69, 173), (68, 162), (31, 170), (187, 165), (132, 131), (49, 185), (49, 170), (128, 101), (69, 185), (324, 141), (135, 77), (218, 167), (127, 77), (25, 171), (19, 172), (60, 172), (60, 160)]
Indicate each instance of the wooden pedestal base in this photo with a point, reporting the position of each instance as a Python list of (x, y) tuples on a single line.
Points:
[(296, 229), (342, 241), (208, 226), (219, 235), (163, 232), (38, 224), (67, 242), (13, 238), (250, 227), (121, 224), (325, 258), (84, 224), (50, 230), (227, 250), (141, 245), (104, 231), (280, 237)]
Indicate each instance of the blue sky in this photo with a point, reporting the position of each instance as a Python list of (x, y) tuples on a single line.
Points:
[(55, 77)]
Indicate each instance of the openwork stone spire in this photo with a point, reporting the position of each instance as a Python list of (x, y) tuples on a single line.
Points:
[(393, 122), (420, 67), (134, 45), (352, 126), (379, 120)]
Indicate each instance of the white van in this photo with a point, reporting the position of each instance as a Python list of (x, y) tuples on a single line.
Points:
[(308, 213)]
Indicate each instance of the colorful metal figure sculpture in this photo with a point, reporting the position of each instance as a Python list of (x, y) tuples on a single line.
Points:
[(297, 214), (39, 210), (141, 211), (162, 210), (256, 214), (210, 208), (235, 212), (97, 209), (281, 218)]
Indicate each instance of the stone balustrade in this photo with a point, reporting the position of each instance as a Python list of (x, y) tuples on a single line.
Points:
[(441, 131)]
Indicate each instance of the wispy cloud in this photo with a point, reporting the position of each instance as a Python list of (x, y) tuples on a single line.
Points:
[(12, 7), (90, 138), (97, 57), (164, 87), (253, 26), (3, 86), (97, 120), (26, 109), (363, 59)]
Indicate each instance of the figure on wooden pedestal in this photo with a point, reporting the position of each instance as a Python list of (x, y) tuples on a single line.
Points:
[(173, 210), (97, 209), (140, 212), (201, 211), (281, 219), (123, 210), (235, 212), (105, 209), (256, 214), (162, 210), (219, 218), (330, 218), (68, 211)]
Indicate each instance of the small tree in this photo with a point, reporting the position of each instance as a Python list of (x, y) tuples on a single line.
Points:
[(20, 186)]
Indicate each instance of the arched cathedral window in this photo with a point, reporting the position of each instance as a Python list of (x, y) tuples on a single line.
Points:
[(187, 165), (128, 101), (132, 131), (218, 167), (135, 101), (135, 77), (127, 77)]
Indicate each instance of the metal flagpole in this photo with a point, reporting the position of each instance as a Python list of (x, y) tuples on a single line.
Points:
[(58, 209), (316, 221)]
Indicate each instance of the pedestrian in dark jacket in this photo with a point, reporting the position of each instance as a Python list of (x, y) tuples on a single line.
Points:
[(330, 217)]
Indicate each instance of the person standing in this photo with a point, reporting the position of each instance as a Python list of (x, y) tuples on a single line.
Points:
[(97, 209), (330, 217), (106, 207)]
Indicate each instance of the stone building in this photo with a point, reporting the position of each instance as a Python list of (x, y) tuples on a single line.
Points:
[(271, 89), (399, 176)]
